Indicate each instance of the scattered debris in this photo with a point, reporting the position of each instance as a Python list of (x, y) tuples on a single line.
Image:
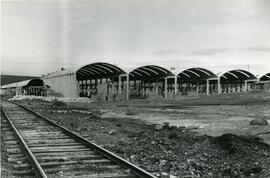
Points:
[(50, 98), (170, 151), (112, 132), (158, 127)]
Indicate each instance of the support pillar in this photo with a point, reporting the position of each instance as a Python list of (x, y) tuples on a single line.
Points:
[(78, 88), (119, 85), (156, 86), (127, 87), (219, 85), (207, 87), (166, 89), (246, 86), (175, 85), (113, 86), (149, 85)]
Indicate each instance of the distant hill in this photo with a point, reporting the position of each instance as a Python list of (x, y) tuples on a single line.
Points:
[(7, 79)]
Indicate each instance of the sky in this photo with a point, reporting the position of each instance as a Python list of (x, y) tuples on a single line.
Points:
[(41, 36)]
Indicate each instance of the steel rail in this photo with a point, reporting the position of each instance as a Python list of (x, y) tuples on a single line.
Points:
[(106, 153), (38, 170)]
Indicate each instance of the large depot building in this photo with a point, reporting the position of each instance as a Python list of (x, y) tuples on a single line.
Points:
[(105, 81)]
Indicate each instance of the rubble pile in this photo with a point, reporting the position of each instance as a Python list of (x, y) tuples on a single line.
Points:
[(172, 151), (50, 98)]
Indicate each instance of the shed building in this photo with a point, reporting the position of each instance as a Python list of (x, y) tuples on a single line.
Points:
[(196, 81), (147, 81), (91, 80), (264, 82), (237, 80), (27, 87)]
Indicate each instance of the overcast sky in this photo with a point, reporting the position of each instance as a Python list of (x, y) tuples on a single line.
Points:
[(41, 36)]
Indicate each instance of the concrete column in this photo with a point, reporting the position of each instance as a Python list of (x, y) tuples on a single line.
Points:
[(175, 85), (241, 88), (119, 85), (144, 86), (78, 88), (246, 86), (127, 87), (156, 86), (219, 85), (197, 86), (113, 86), (207, 87), (166, 89)]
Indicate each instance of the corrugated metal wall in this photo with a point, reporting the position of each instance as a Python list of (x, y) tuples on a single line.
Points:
[(64, 84)]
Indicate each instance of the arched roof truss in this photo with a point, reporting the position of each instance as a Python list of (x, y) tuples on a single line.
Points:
[(98, 70), (237, 75), (265, 77), (196, 74), (25, 83), (149, 72)]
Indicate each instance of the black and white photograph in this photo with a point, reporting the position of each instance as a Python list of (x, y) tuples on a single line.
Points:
[(135, 89)]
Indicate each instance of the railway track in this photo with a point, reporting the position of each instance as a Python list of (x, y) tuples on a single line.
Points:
[(39, 147)]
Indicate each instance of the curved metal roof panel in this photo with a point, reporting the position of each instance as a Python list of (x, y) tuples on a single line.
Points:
[(98, 70), (149, 72), (90, 71), (237, 74), (265, 77), (19, 84), (196, 74)]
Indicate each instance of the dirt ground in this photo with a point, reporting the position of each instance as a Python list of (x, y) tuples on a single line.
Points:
[(198, 140)]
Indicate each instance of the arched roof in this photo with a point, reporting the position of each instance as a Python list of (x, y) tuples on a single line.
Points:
[(237, 75), (265, 77), (25, 83), (98, 70), (150, 72), (196, 74), (35, 82)]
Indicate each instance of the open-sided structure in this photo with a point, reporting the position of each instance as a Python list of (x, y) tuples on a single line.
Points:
[(149, 80), (100, 79), (264, 82), (27, 87), (233, 81), (197, 80)]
